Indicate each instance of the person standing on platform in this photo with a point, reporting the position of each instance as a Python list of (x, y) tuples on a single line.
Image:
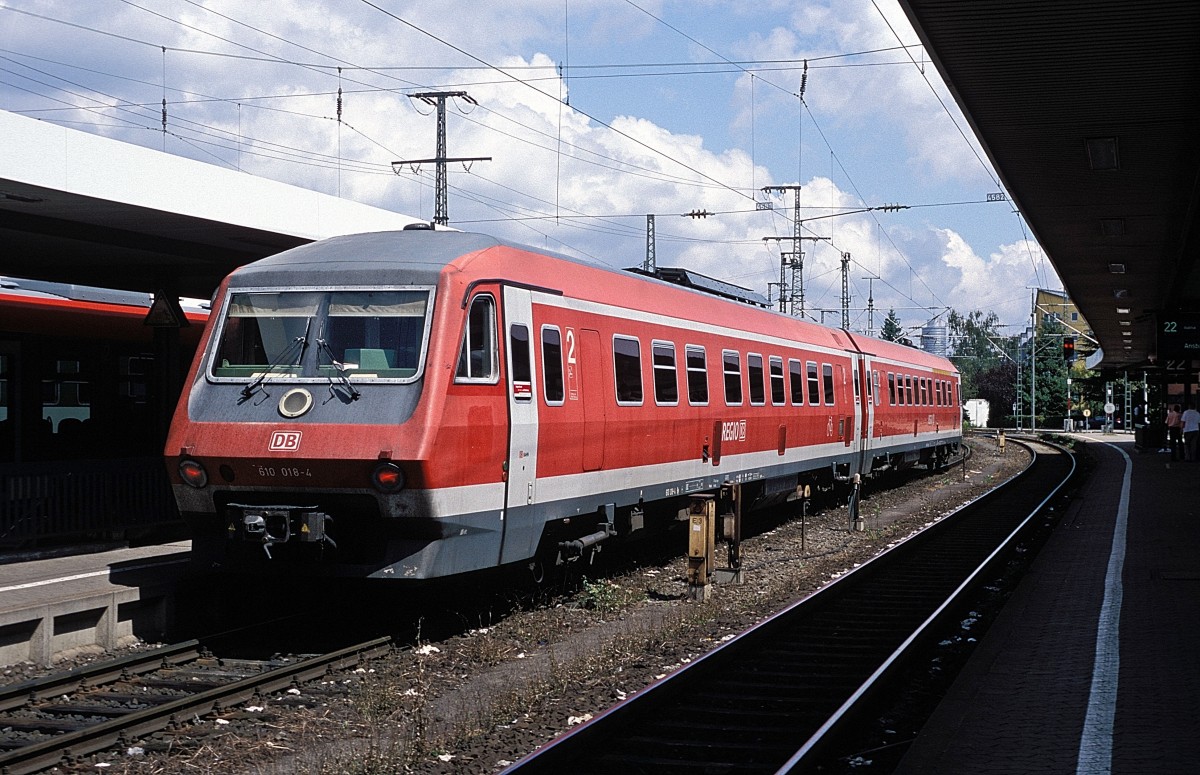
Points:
[(1191, 429), (1174, 431)]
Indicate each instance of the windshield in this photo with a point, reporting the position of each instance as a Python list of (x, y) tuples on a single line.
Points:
[(371, 334)]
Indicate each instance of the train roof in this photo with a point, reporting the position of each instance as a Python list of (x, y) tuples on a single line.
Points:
[(419, 257), (360, 259)]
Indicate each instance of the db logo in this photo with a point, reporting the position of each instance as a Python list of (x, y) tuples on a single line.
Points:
[(284, 441)]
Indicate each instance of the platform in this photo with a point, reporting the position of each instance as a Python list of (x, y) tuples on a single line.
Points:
[(1093, 666), (52, 606)]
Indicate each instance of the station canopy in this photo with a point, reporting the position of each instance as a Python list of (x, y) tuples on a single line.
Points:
[(84, 209), (1090, 112)]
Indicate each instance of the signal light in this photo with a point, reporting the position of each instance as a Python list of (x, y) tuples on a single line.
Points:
[(1069, 349), (193, 473), (388, 477)]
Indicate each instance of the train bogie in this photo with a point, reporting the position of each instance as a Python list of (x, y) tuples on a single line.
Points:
[(422, 404)]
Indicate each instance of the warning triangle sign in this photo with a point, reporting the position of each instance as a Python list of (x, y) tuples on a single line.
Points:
[(165, 312)]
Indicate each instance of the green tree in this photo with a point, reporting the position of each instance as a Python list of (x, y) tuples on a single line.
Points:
[(1051, 371), (891, 330), (975, 347), (998, 386)]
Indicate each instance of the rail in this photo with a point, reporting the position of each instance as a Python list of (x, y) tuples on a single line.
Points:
[(772, 699), (68, 746)]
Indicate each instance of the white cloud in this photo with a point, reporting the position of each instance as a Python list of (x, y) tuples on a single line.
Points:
[(889, 140)]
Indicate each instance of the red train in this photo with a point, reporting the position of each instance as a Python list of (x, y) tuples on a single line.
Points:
[(86, 392), (424, 403)]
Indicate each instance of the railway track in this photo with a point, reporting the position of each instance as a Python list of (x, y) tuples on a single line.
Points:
[(773, 699), (65, 716)]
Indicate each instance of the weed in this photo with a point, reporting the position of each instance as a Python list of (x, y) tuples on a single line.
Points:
[(605, 596)]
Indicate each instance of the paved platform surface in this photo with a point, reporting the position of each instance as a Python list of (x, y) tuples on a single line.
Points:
[(33, 581), (52, 605), (1093, 666)]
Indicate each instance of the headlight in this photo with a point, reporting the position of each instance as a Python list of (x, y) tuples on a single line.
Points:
[(193, 473), (388, 477)]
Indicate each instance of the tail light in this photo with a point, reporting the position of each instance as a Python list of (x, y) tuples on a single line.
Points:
[(388, 477), (193, 473)]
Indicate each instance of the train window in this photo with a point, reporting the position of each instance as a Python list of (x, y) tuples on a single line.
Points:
[(134, 371), (375, 333), (627, 365), (927, 391), (854, 372), (796, 378), (827, 379), (666, 378), (697, 375), (518, 352), (66, 395), (732, 366), (778, 394), (937, 387), (326, 334), (552, 366), (910, 397), (875, 379), (265, 330), (477, 360), (892, 389), (813, 384), (754, 373)]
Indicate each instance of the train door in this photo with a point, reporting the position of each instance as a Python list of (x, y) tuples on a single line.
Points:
[(868, 409), (520, 483), (592, 385), (856, 379)]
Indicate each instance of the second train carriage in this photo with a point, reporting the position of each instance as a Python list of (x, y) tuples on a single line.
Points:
[(86, 392), (420, 404)]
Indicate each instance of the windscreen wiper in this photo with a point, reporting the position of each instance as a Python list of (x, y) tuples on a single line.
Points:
[(297, 344), (340, 368)]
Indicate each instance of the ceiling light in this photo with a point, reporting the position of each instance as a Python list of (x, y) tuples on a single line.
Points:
[(1122, 310), (1116, 268), (1126, 323), (1112, 227), (1102, 153)]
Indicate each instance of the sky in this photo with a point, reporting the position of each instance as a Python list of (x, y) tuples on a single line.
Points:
[(592, 114)]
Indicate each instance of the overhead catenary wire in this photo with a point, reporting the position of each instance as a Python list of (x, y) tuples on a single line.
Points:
[(211, 142)]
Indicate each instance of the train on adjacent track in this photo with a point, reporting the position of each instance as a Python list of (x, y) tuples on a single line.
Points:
[(86, 392), (420, 404)]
